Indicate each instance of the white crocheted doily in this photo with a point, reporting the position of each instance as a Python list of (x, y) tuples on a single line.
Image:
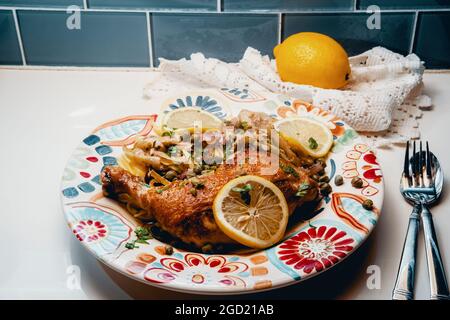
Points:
[(382, 101)]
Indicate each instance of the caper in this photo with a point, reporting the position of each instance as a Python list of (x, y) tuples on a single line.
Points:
[(321, 172), (147, 178), (315, 177), (321, 161), (197, 183), (193, 191), (197, 169), (324, 179), (170, 175), (207, 248), (338, 180), (325, 188), (357, 182), (367, 204), (168, 250)]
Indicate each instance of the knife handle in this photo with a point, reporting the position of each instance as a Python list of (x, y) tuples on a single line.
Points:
[(436, 272), (404, 285)]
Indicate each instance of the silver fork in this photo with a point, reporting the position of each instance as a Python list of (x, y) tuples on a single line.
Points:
[(421, 185)]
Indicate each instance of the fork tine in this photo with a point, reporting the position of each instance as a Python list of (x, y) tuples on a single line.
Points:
[(415, 166), (406, 162), (423, 165), (420, 162), (428, 162)]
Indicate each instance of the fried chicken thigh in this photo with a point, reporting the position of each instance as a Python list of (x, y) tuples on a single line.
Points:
[(188, 216)]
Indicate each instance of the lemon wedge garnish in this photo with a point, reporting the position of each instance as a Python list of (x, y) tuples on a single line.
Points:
[(189, 117), (309, 136), (252, 211)]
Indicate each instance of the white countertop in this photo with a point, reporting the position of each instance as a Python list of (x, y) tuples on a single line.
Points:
[(43, 116)]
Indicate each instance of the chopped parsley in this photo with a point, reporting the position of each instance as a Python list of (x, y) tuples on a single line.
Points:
[(312, 143), (168, 132), (244, 125), (143, 234), (246, 188), (289, 170), (244, 192), (303, 189), (172, 151)]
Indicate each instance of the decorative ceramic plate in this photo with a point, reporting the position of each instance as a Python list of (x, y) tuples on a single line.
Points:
[(334, 230)]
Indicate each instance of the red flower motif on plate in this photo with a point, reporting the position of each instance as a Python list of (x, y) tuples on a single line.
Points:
[(316, 248), (198, 270), (371, 170), (89, 230)]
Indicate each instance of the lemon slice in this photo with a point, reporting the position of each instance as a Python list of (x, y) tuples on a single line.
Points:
[(190, 117), (309, 136), (252, 211)]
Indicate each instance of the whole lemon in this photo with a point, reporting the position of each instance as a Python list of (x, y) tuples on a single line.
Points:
[(313, 59)]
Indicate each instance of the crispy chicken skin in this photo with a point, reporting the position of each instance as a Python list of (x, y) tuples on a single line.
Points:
[(190, 217)]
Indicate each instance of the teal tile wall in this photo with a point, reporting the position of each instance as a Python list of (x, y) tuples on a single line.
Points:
[(351, 31), (287, 5), (104, 39), (9, 45), (208, 5), (216, 35), (405, 4), (42, 3), (135, 33), (433, 39)]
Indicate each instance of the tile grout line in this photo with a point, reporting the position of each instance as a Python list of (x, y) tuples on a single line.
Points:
[(280, 29), (149, 39), (413, 34), (19, 37), (312, 12), (219, 6), (405, 10), (71, 68), (124, 10), (117, 69)]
